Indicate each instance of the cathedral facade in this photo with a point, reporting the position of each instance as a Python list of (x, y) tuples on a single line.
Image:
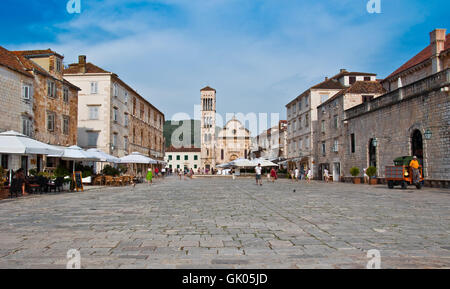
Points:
[(230, 143)]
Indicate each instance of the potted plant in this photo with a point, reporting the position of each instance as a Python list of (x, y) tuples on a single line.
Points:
[(355, 172), (371, 172)]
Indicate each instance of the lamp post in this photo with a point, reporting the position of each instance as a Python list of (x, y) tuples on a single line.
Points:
[(374, 142), (428, 134)]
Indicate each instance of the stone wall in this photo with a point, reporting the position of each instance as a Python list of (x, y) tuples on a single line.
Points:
[(393, 126), (44, 104)]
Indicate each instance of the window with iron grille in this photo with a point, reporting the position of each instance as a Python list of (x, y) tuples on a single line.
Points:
[(66, 94), (66, 125), (50, 121)]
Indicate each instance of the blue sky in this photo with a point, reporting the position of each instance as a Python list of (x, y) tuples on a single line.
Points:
[(258, 54)]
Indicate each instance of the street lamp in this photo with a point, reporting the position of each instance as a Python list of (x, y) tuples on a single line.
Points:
[(374, 142), (428, 134)]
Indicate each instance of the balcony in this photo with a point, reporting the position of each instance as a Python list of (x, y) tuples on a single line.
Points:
[(422, 86)]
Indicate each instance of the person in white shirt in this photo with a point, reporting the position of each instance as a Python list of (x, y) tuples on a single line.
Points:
[(296, 172), (258, 171), (308, 175), (325, 175)]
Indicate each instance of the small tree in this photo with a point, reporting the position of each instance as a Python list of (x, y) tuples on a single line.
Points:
[(371, 171), (354, 171)]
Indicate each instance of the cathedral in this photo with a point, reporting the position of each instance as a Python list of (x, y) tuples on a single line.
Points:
[(230, 143)]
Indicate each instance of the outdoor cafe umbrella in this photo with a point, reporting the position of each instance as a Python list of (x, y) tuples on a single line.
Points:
[(103, 157), (264, 163), (75, 153), (241, 163), (137, 158), (12, 142)]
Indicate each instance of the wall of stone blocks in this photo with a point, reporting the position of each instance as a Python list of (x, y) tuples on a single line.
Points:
[(393, 127)]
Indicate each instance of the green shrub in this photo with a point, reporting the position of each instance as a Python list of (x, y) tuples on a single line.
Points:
[(371, 171), (354, 171), (110, 171), (61, 172), (123, 169), (87, 174), (33, 172)]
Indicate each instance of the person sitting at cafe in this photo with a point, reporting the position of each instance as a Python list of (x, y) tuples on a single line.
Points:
[(20, 177)]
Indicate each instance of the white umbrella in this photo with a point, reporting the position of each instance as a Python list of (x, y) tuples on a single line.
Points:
[(12, 142), (226, 165), (264, 163), (137, 158), (103, 157), (75, 153), (241, 163)]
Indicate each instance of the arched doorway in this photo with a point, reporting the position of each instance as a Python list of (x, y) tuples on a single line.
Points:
[(233, 157), (372, 154), (417, 145)]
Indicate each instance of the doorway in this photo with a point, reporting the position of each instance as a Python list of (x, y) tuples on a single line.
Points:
[(24, 164), (417, 145), (336, 172), (372, 154)]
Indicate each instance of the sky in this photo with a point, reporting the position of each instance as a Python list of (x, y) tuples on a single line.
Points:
[(257, 54)]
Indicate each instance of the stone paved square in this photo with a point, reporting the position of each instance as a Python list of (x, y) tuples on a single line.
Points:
[(223, 223)]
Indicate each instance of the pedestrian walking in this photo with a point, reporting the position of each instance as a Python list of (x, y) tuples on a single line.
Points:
[(296, 174), (156, 172), (326, 175), (414, 164), (302, 172), (258, 170), (163, 172), (149, 176), (308, 175), (273, 175), (366, 177)]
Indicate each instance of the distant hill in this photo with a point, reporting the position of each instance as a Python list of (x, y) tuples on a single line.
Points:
[(170, 129)]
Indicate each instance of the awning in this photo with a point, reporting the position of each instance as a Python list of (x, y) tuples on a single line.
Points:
[(12, 142), (137, 158)]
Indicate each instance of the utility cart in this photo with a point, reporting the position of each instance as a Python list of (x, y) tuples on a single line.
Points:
[(401, 174)]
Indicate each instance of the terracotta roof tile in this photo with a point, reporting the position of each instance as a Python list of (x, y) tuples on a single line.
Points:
[(420, 57), (207, 88), (76, 68), (173, 149), (359, 87), (331, 83), (37, 52), (13, 62)]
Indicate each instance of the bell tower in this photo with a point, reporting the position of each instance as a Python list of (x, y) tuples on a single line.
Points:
[(208, 127)]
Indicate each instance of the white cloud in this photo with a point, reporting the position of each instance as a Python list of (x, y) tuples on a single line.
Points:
[(256, 56)]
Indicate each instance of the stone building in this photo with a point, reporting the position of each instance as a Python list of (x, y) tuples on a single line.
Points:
[(412, 118), (55, 99), (16, 97), (329, 136), (271, 144), (183, 158), (302, 116), (223, 145), (208, 127), (233, 142), (113, 117)]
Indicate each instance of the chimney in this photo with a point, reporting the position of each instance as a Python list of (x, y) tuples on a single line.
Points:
[(343, 70), (326, 78), (437, 42), (82, 63)]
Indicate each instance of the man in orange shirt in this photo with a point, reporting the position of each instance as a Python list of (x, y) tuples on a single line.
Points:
[(414, 164)]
